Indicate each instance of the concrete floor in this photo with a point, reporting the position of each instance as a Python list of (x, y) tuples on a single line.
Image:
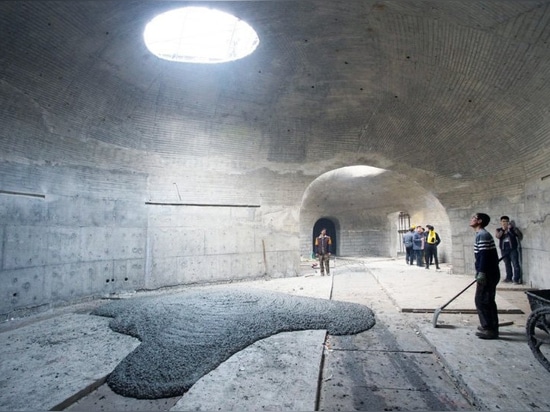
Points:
[(59, 360)]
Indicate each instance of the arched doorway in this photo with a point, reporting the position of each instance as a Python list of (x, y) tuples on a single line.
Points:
[(403, 226), (331, 231)]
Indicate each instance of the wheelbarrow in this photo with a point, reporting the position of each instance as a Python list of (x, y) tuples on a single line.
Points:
[(537, 326)]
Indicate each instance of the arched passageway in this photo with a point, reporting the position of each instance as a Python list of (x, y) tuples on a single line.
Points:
[(368, 203)]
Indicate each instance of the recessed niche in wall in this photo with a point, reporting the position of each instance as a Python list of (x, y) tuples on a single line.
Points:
[(199, 35)]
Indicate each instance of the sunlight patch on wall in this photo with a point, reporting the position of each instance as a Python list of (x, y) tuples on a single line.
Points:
[(358, 171)]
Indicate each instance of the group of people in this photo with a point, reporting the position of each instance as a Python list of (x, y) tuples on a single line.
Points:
[(421, 245)]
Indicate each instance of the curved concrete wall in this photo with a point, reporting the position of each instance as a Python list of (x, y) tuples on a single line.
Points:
[(120, 171)]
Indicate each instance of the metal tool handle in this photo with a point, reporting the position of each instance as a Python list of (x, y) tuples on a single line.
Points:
[(458, 294)]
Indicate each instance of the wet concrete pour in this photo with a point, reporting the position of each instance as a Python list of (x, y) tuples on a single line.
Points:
[(380, 369)]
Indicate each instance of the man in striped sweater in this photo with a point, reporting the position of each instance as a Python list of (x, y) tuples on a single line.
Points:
[(487, 276)]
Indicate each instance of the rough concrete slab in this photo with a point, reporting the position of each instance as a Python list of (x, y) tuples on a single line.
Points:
[(415, 289), (379, 338), (309, 284), (104, 399), (516, 378), (275, 374), (500, 374), (383, 380), (47, 362), (425, 382), (494, 375)]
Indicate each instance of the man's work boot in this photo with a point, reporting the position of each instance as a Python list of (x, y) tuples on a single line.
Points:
[(487, 334)]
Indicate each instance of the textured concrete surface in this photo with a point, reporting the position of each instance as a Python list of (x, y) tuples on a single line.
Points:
[(45, 364), (491, 375), (403, 362), (277, 373), (413, 295)]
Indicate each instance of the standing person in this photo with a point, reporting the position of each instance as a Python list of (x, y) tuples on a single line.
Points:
[(487, 276), (432, 241), (509, 238), (408, 242), (323, 244), (425, 233), (418, 245)]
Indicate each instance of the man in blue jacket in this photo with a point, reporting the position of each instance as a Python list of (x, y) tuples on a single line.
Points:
[(408, 243), (418, 246)]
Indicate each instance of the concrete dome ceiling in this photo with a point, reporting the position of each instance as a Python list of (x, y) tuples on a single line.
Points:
[(363, 188), (451, 89)]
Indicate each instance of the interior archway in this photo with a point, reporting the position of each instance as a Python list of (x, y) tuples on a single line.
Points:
[(364, 201)]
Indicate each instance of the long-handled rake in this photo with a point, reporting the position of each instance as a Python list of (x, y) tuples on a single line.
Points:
[(439, 309)]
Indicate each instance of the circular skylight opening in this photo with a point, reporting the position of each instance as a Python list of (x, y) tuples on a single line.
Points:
[(199, 35)]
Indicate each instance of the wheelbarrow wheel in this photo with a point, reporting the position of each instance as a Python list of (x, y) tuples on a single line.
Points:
[(538, 335)]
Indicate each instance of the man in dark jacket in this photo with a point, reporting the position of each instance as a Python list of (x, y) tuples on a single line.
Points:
[(487, 276), (509, 239), (323, 245)]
